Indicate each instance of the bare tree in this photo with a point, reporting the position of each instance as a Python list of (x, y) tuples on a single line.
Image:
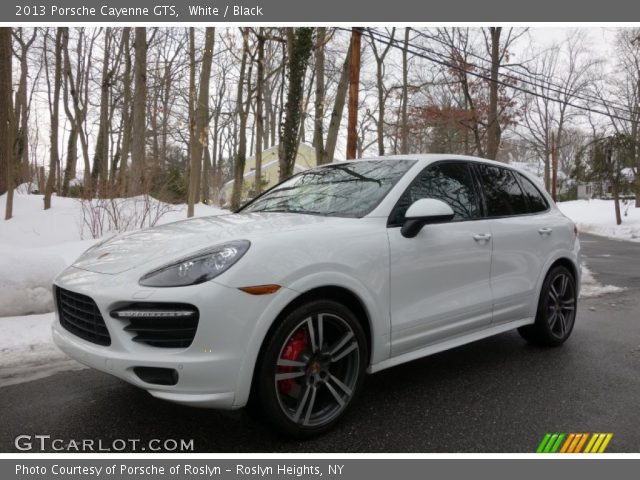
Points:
[(299, 47), (22, 102), (200, 142), (7, 163), (564, 74), (242, 113), (383, 92), (337, 111), (404, 122), (100, 159), (137, 183), (354, 89), (54, 109), (126, 112), (261, 39)]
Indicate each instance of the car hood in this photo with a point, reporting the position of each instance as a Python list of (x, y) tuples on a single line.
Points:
[(173, 241)]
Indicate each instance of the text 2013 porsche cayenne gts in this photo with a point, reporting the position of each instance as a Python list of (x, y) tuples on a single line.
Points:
[(347, 268)]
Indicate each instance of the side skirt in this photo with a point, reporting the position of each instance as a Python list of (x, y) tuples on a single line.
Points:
[(448, 344)]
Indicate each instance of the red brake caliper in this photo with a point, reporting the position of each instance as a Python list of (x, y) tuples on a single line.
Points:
[(291, 352)]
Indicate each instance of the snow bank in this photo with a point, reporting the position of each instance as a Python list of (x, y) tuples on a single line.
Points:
[(598, 217), (27, 351), (36, 245), (26, 275)]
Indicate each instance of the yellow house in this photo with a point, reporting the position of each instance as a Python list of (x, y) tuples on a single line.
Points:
[(305, 159)]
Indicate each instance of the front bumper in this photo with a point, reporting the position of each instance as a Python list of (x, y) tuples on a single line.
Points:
[(197, 383), (212, 372)]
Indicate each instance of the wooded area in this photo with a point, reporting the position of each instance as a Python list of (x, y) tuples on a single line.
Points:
[(176, 112)]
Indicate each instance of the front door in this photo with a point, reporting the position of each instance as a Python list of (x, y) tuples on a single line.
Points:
[(440, 279)]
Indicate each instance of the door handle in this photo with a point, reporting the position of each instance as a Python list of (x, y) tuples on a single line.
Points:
[(545, 231), (479, 237)]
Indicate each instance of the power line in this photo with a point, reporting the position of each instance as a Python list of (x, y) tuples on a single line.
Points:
[(419, 52), (524, 90), (557, 88)]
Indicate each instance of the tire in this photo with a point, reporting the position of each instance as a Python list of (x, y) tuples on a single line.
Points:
[(312, 369), (556, 313)]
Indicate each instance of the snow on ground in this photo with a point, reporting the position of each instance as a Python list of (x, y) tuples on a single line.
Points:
[(598, 217), (590, 287), (35, 245)]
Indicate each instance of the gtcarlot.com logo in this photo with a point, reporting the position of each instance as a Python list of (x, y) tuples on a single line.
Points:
[(574, 443), (45, 443)]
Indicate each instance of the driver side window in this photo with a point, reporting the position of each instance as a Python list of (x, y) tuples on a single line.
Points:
[(451, 182)]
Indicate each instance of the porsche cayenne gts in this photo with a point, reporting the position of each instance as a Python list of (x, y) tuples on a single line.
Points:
[(341, 270)]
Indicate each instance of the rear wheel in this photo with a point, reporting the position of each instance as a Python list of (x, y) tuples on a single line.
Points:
[(312, 368), (556, 312)]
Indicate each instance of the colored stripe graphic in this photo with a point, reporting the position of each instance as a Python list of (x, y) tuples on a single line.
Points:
[(574, 442)]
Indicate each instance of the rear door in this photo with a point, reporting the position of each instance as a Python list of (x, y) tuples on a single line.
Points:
[(440, 279), (521, 240)]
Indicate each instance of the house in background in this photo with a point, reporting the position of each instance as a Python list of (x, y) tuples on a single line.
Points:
[(305, 159), (604, 188)]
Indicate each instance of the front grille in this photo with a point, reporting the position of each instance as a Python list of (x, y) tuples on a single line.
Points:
[(168, 325), (80, 315)]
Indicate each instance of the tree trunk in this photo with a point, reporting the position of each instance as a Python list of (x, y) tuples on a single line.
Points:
[(616, 200), (257, 182), (6, 121), (75, 86), (380, 57), (100, 162), (318, 123), (354, 89), (126, 113), (338, 108), (300, 45), (200, 141), (21, 109), (72, 143), (206, 174), (404, 120), (493, 128), (241, 153), (554, 167), (54, 159), (137, 180)]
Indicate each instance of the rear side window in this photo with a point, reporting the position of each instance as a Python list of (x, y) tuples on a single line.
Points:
[(451, 182), (537, 202), (502, 193)]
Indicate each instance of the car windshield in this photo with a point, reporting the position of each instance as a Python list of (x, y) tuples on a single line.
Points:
[(347, 189)]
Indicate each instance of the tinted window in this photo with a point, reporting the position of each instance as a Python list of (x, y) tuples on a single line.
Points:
[(502, 192), (450, 182), (537, 203), (345, 189)]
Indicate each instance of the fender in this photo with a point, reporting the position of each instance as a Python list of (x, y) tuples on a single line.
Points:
[(377, 311)]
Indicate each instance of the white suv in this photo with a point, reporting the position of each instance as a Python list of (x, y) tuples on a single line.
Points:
[(344, 269)]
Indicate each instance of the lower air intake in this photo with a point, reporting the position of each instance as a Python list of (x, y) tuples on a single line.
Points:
[(165, 325)]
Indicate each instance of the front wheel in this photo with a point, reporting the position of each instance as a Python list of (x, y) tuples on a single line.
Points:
[(556, 313), (312, 368)]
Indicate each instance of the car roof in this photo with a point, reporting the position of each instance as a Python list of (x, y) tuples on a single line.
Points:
[(427, 158)]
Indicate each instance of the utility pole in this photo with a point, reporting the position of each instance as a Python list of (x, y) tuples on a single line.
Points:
[(354, 87), (554, 166)]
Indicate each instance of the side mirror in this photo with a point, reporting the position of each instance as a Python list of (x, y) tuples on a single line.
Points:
[(423, 212)]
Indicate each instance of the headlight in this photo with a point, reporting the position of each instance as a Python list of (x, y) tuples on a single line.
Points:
[(199, 267)]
